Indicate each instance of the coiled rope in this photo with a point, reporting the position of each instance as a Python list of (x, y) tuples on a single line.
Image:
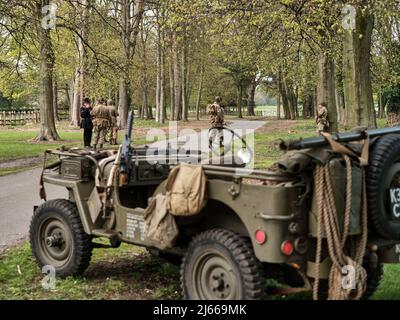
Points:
[(328, 225)]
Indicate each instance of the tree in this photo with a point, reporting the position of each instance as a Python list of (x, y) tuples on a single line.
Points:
[(129, 27), (360, 109), (83, 13), (48, 129)]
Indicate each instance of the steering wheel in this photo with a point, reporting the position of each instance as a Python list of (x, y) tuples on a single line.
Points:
[(243, 151)]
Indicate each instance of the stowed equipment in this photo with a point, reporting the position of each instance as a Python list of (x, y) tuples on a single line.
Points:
[(355, 213)]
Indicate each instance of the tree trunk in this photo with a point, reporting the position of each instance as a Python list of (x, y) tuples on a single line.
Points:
[(48, 129), (68, 101), (130, 26), (239, 101), (177, 80), (360, 110), (146, 108), (308, 106), (278, 106), (285, 103), (381, 105), (200, 90), (162, 105), (145, 104), (290, 99), (77, 98), (326, 89), (283, 94), (123, 101), (79, 82), (185, 110), (55, 100), (159, 88), (171, 90), (251, 92)]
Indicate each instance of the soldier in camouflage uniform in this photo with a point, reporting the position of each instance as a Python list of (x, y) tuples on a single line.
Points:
[(101, 121), (393, 119), (322, 118), (393, 107), (217, 121), (113, 125)]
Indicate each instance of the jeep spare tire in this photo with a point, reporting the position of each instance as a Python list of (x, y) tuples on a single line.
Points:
[(383, 187)]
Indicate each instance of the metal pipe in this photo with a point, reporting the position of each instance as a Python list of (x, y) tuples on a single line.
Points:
[(241, 171), (318, 142), (244, 176)]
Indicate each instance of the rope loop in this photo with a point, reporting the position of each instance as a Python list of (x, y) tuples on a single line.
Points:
[(337, 241)]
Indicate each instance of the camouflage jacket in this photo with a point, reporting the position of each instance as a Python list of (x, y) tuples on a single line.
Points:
[(113, 114), (322, 117), (101, 116), (393, 119), (216, 113)]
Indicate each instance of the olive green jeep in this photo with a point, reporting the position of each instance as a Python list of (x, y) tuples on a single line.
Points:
[(256, 224)]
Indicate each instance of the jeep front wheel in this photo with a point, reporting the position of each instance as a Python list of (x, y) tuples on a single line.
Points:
[(58, 239), (219, 264)]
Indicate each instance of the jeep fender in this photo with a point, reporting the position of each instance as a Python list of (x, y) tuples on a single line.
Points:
[(79, 193)]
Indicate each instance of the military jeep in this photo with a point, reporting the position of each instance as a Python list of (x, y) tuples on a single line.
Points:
[(256, 225)]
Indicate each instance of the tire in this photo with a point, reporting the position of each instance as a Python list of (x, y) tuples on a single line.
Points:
[(374, 277), (219, 264), (58, 239), (383, 173)]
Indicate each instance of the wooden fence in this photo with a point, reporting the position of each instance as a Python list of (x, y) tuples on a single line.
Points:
[(19, 118)]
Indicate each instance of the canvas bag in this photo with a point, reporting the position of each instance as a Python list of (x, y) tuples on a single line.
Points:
[(161, 228), (185, 190)]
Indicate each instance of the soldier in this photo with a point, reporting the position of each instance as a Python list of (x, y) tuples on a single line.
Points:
[(322, 118), (216, 113), (393, 107), (113, 127), (86, 122), (102, 121)]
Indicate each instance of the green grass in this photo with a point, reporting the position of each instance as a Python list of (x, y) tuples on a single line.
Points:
[(125, 273), (265, 143), (15, 144)]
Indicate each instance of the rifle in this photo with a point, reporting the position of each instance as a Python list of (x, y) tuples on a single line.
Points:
[(126, 154)]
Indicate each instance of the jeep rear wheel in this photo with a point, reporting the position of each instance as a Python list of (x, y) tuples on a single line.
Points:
[(374, 277), (58, 239), (219, 264)]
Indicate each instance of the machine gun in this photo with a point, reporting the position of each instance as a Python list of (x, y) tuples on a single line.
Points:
[(126, 154), (318, 142)]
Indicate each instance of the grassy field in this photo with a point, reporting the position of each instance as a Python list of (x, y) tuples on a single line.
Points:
[(130, 272), (125, 273)]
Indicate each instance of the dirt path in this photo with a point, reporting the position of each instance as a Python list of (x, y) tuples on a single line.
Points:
[(18, 194), (21, 163)]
